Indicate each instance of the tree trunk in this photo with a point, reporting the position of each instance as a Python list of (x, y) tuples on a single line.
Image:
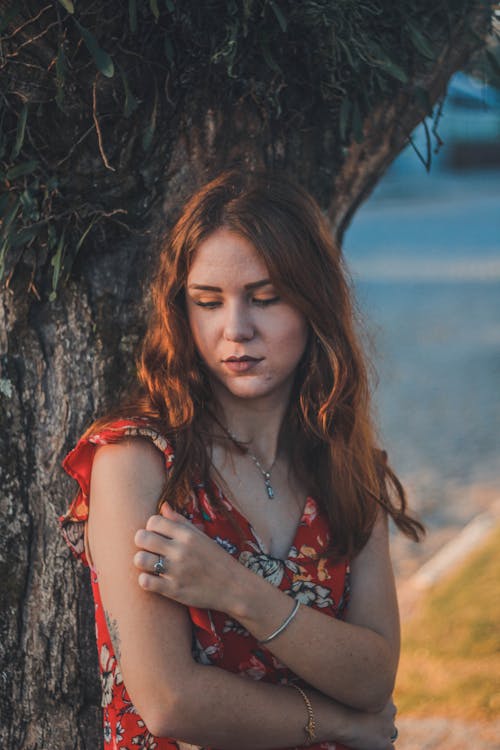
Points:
[(63, 362)]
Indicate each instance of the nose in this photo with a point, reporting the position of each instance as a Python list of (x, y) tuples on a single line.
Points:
[(238, 323)]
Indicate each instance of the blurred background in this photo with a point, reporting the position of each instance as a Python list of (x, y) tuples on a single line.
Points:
[(424, 255)]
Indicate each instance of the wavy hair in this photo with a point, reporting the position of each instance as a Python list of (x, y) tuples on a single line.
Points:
[(328, 422)]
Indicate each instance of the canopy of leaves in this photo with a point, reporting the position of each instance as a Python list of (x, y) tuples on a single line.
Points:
[(94, 93)]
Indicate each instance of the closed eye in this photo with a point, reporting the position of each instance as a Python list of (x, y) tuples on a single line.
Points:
[(265, 302), (210, 305)]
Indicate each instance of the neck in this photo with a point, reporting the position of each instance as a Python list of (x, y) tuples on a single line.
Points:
[(254, 422)]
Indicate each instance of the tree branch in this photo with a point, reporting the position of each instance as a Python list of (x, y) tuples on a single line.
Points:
[(388, 129)]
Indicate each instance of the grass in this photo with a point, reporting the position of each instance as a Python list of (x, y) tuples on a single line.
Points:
[(450, 662)]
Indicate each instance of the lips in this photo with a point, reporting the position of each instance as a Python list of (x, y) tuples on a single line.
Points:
[(245, 358), (241, 365)]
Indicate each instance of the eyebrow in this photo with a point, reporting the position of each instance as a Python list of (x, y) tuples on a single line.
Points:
[(252, 285)]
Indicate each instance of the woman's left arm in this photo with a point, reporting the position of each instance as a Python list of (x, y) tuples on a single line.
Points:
[(352, 661)]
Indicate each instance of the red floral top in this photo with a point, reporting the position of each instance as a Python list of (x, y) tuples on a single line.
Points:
[(217, 639)]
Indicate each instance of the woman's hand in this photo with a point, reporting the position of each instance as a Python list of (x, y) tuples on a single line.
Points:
[(198, 572), (367, 731)]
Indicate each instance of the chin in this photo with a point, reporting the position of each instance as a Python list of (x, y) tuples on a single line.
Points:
[(249, 393), (249, 390)]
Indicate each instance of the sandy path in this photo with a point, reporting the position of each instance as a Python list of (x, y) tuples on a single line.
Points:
[(443, 733), (447, 734)]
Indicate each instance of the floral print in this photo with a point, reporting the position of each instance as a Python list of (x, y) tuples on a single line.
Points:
[(110, 674), (307, 574), (269, 568), (309, 593)]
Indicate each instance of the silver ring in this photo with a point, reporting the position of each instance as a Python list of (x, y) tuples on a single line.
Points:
[(159, 567), (394, 735)]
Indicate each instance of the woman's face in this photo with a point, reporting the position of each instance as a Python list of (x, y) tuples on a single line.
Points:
[(250, 339)]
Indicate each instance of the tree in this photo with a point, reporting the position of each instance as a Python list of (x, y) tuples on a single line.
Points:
[(110, 114)]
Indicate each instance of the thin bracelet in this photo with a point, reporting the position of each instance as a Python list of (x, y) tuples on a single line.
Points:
[(284, 624), (310, 727)]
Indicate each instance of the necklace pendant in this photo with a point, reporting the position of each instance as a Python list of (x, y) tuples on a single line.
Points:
[(270, 491)]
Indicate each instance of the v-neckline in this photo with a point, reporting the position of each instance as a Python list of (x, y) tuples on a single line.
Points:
[(256, 536)]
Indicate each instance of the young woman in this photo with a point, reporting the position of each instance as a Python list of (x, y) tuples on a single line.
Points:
[(234, 512)]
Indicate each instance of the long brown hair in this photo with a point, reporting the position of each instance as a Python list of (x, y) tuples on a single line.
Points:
[(333, 443)]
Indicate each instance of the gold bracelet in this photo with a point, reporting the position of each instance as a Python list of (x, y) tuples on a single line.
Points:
[(310, 727)]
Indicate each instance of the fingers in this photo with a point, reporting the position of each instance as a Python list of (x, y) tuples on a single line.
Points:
[(168, 512), (163, 525), (151, 541), (146, 561), (158, 585)]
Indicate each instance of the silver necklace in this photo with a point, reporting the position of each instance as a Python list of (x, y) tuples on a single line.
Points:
[(266, 474)]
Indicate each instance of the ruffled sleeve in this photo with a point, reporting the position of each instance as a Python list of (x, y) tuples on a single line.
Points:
[(78, 464)]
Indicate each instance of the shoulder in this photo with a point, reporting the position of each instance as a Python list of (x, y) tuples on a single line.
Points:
[(121, 465), (132, 468), (131, 454)]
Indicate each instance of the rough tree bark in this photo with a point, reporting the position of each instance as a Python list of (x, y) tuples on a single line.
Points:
[(63, 362)]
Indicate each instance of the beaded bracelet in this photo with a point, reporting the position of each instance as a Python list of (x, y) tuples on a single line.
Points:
[(284, 624), (310, 727)]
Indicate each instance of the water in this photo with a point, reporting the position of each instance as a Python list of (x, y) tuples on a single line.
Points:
[(425, 258)]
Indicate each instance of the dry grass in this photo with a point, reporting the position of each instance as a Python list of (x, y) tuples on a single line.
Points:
[(450, 663)]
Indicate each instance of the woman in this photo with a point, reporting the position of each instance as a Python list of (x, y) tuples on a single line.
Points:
[(234, 512)]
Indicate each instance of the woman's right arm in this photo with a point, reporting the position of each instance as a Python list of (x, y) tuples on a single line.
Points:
[(174, 695)]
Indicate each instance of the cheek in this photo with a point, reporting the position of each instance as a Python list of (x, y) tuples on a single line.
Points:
[(294, 335), (202, 330)]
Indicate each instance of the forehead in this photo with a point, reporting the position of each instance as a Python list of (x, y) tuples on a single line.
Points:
[(225, 255)]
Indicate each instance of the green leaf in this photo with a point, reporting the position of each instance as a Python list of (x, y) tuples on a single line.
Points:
[(82, 238), (21, 128), (279, 15), (4, 201), (379, 57), (51, 236), (269, 58), (153, 4), (345, 111), (101, 58), (132, 15), (170, 6), (56, 261), (21, 169), (68, 5), (169, 48), (24, 236), (427, 159), (3, 252), (131, 103), (420, 42), (147, 136), (9, 218), (347, 52), (30, 205), (394, 70)]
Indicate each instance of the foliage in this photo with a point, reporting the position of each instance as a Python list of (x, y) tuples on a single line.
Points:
[(485, 65), (94, 93), (450, 663)]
